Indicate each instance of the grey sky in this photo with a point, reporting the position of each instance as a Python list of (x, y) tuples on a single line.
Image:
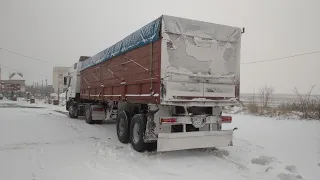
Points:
[(60, 31)]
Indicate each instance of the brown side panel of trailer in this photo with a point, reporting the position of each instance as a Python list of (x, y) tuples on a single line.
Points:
[(133, 76)]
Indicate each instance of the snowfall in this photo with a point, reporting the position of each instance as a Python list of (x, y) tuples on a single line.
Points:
[(40, 142)]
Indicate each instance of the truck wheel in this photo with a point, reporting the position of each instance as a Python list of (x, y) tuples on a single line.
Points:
[(123, 122), (67, 106), (73, 112), (88, 115), (137, 130)]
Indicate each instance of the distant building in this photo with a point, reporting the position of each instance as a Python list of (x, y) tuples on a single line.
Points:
[(15, 83), (56, 78), (49, 89), (43, 90)]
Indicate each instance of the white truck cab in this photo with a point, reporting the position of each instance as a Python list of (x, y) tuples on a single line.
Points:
[(72, 83)]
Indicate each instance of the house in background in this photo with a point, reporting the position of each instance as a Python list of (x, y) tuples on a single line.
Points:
[(15, 84)]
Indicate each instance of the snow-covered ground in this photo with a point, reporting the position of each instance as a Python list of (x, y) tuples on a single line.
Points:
[(22, 103), (37, 142)]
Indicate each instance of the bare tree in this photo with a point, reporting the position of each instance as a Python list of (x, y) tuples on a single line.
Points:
[(265, 95), (318, 107), (252, 99), (304, 102), (252, 104)]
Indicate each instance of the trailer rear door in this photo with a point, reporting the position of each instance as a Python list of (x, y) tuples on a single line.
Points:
[(199, 60)]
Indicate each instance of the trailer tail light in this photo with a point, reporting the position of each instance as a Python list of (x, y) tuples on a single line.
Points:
[(168, 120), (226, 119)]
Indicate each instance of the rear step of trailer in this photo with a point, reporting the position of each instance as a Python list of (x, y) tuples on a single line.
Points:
[(194, 140)]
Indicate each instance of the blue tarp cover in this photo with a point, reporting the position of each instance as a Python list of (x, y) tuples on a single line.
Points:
[(146, 35)]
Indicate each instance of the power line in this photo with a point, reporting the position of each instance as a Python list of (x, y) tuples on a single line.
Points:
[(29, 57), (281, 58), (18, 70), (252, 62)]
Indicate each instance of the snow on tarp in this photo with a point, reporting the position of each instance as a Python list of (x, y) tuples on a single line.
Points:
[(200, 29), (151, 33), (147, 34), (201, 47)]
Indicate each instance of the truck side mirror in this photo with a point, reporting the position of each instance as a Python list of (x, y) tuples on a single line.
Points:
[(65, 80)]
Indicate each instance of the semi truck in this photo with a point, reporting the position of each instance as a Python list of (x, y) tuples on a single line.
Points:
[(164, 85)]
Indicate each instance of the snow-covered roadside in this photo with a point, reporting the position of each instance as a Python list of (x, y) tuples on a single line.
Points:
[(38, 143), (285, 147), (38, 104), (277, 113)]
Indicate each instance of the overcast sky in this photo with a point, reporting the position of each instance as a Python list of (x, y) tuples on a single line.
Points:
[(60, 31)]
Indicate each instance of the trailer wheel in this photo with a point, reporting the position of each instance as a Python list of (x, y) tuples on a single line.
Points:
[(88, 115), (123, 124), (137, 130), (73, 112)]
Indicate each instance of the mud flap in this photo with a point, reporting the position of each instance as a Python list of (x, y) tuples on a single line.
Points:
[(194, 140), (98, 112)]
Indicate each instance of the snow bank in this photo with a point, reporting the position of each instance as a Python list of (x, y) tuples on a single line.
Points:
[(38, 143), (279, 146)]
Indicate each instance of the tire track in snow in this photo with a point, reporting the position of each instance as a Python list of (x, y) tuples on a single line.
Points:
[(108, 157), (74, 128), (29, 145), (224, 155), (36, 162), (262, 167), (114, 165)]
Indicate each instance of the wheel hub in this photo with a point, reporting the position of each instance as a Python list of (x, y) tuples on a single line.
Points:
[(122, 126), (71, 110), (136, 133), (87, 114)]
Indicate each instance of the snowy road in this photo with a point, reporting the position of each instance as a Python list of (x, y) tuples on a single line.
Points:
[(39, 143)]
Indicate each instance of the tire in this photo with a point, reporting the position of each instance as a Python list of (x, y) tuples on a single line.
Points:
[(70, 114), (123, 124), (73, 112), (137, 130), (67, 106), (88, 115)]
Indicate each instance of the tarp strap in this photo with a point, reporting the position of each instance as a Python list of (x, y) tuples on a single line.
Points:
[(151, 66)]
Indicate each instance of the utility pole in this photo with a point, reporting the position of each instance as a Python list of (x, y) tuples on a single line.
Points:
[(0, 80), (58, 94), (0, 72), (0, 63), (59, 82)]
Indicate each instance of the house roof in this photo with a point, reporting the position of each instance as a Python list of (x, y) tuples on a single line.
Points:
[(16, 77)]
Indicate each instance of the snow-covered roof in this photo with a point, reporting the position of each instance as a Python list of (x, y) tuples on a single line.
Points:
[(17, 77)]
